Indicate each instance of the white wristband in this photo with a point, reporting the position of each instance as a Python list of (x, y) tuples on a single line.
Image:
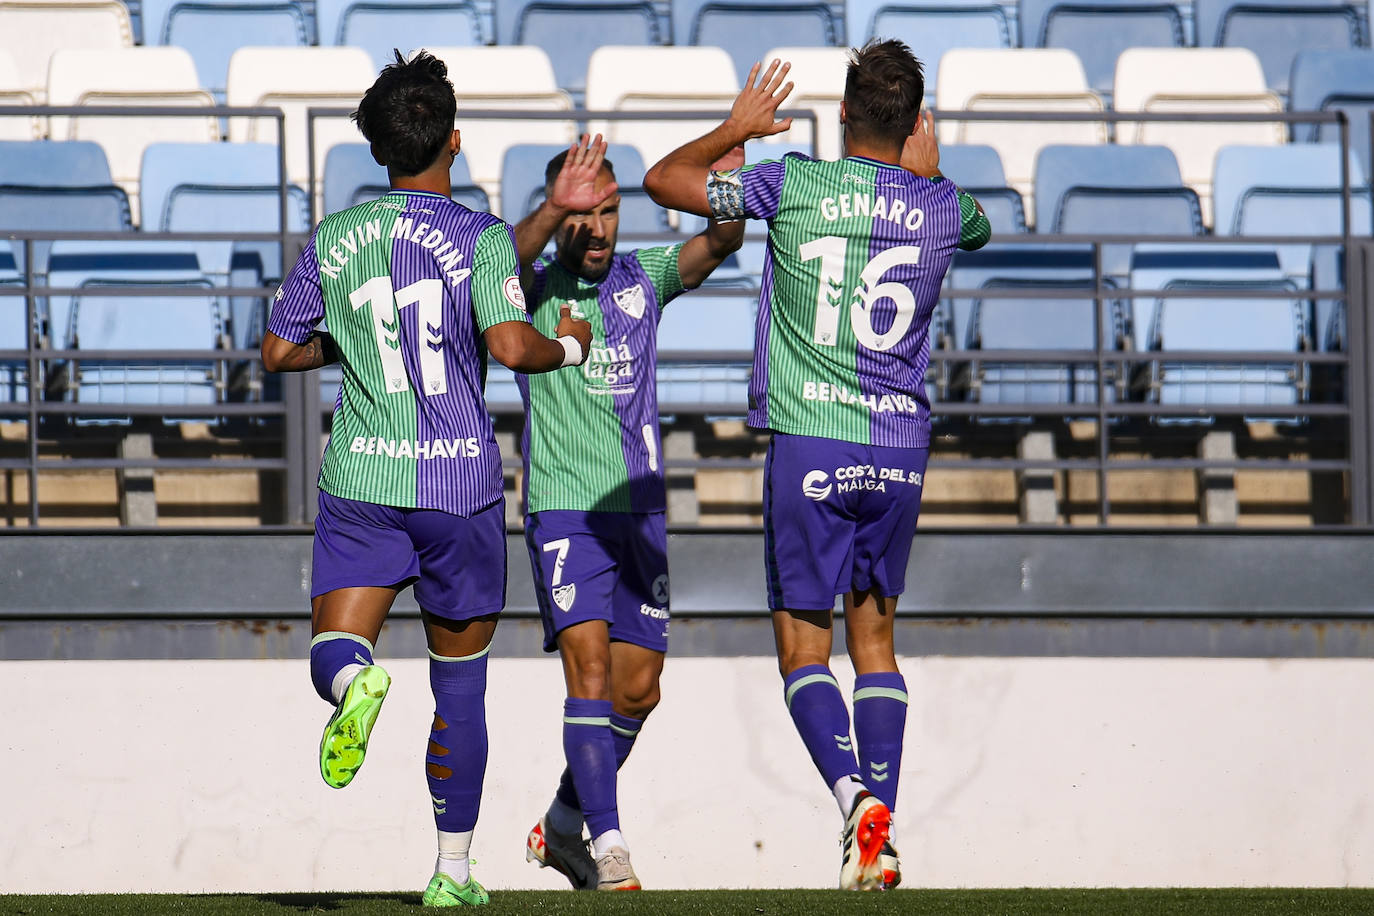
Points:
[(572, 351)]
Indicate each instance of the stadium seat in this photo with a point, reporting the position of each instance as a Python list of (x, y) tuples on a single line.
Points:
[(295, 79), (711, 320), (1276, 30), (128, 76), (1195, 81), (1099, 30), (14, 326), (639, 79), (517, 77), (1334, 81), (1115, 190), (31, 30), (978, 169), (1037, 323), (745, 29), (382, 27), (213, 30), (1019, 79), (522, 175), (819, 75), (930, 27), (12, 92), (570, 30)]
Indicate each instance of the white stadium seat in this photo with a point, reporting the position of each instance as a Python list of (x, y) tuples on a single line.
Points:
[(12, 93), (128, 76), (631, 78), (1199, 80), (294, 80), (819, 76), (1017, 79), (518, 77), (32, 30)]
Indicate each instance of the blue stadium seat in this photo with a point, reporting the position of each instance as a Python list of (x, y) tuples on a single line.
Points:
[(1099, 30), (747, 29), (1277, 30), (381, 27), (1334, 81), (1240, 323), (352, 176), (978, 169), (931, 27), (570, 30), (48, 163), (713, 319), (1033, 323), (213, 29), (13, 328), (1156, 266)]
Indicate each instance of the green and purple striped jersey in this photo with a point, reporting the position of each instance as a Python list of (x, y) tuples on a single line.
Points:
[(407, 284), (857, 251), (591, 440)]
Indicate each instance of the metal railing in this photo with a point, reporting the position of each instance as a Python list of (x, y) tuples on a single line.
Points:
[(301, 414)]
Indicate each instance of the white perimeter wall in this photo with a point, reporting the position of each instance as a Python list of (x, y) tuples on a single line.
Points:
[(191, 776)]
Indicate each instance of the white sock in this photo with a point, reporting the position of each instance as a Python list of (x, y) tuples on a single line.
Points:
[(603, 843), (453, 855), (846, 789), (341, 681)]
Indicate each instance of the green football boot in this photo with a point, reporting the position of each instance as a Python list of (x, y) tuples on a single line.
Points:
[(444, 891), (345, 737)]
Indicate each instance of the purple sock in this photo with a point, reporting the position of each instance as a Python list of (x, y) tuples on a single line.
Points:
[(330, 653), (879, 720), (624, 731), (457, 758), (818, 710), (590, 749)]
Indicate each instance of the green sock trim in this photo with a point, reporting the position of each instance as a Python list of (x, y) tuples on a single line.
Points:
[(625, 732), (340, 634), (465, 658), (868, 693), (588, 720), (808, 681)]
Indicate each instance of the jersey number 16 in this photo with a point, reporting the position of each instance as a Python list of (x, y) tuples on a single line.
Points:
[(831, 250)]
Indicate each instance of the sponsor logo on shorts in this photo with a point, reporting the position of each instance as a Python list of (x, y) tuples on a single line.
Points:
[(657, 613), (850, 478), (564, 596), (816, 484), (660, 589), (514, 294)]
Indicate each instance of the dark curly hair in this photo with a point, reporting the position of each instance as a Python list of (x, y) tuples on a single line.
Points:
[(408, 113)]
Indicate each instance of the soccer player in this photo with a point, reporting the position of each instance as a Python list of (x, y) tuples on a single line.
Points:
[(595, 494), (413, 288), (857, 252)]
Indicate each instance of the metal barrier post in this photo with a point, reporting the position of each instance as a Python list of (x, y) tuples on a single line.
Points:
[(31, 338), (293, 443), (1359, 259)]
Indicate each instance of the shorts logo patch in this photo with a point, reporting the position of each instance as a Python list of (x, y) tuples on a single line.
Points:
[(816, 484), (631, 300), (564, 596), (660, 590)]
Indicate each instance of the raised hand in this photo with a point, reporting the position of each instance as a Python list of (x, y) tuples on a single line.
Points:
[(577, 327), (920, 151), (731, 160), (575, 188), (755, 110)]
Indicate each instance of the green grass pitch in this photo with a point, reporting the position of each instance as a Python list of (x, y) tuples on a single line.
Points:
[(916, 902)]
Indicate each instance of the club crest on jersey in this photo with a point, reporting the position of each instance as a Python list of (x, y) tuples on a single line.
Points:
[(631, 301), (564, 596)]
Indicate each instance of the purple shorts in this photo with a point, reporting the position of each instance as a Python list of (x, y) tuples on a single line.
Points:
[(457, 564), (610, 566), (837, 516)]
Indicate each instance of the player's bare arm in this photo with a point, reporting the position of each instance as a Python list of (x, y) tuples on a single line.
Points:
[(573, 191), (280, 355), (518, 346), (678, 180), (705, 251)]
